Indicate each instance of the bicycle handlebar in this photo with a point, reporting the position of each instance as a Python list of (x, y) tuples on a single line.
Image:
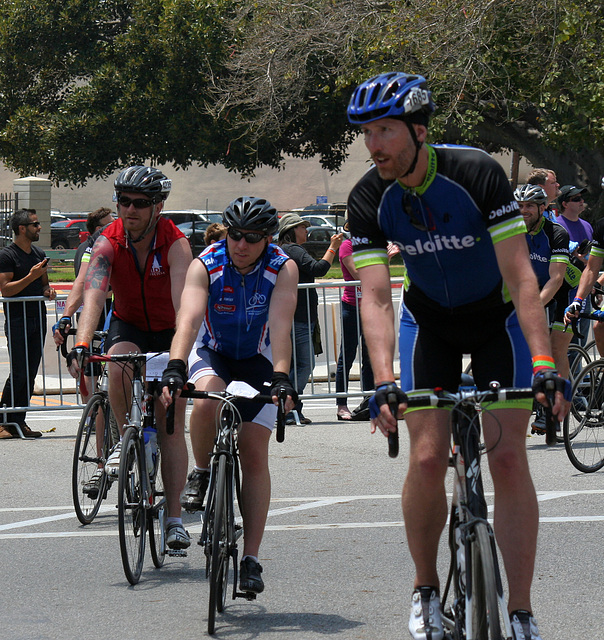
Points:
[(590, 315), (439, 398), (189, 392)]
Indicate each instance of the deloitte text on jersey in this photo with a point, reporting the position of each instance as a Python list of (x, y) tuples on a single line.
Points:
[(438, 243)]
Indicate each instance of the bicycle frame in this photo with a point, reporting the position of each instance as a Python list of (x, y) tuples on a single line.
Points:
[(468, 508), (225, 446)]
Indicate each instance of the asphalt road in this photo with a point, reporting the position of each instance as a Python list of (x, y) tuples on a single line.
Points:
[(334, 553)]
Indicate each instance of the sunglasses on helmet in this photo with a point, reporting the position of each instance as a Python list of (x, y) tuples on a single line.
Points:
[(252, 237), (137, 203)]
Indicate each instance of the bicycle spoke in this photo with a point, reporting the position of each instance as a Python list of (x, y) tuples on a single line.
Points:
[(131, 508), (584, 427), (89, 456), (156, 518)]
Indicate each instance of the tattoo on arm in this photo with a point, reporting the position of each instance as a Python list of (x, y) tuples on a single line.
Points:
[(97, 275)]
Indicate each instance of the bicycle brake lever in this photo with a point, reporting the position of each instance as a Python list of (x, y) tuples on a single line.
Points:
[(282, 397), (551, 424), (170, 409), (393, 439)]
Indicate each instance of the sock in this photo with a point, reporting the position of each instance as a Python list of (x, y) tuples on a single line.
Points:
[(170, 521), (254, 558), (196, 468)]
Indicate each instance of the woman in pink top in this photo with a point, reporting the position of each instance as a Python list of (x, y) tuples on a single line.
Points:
[(351, 330)]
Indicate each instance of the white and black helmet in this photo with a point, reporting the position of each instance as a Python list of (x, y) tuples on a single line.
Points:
[(146, 180), (530, 193)]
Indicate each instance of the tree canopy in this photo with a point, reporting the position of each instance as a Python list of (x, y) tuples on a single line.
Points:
[(88, 86)]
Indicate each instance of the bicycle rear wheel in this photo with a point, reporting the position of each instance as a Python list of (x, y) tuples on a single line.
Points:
[(486, 590), (93, 442), (220, 553), (131, 508), (156, 517), (584, 427)]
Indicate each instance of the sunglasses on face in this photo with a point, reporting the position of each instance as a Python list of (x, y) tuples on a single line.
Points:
[(137, 203), (251, 237), (577, 199), (33, 224)]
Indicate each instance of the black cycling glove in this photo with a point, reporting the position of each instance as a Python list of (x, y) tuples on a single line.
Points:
[(79, 353), (175, 375), (389, 394), (281, 381), (548, 381)]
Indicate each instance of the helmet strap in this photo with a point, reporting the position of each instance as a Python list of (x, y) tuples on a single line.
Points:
[(150, 227), (418, 146)]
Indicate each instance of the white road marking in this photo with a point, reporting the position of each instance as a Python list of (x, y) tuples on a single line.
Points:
[(305, 503)]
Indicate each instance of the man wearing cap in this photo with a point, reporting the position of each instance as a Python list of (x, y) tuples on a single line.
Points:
[(570, 206), (292, 234)]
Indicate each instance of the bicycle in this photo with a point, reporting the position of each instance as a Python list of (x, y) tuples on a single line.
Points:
[(220, 531), (583, 430), (141, 500), (96, 437), (472, 603)]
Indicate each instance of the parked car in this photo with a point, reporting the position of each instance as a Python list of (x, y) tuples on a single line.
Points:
[(194, 232), (327, 214), (319, 239), (178, 216), (65, 234), (332, 222)]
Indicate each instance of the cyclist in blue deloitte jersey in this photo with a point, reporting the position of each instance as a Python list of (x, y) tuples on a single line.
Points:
[(237, 311), (471, 289), (550, 257)]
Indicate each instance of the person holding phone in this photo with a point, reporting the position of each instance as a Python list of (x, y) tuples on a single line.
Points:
[(23, 272)]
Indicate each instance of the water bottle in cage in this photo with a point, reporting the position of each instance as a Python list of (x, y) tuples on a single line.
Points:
[(149, 433)]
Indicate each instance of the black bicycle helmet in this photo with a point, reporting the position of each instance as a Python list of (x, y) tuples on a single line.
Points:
[(146, 180), (252, 214), (530, 193), (391, 95)]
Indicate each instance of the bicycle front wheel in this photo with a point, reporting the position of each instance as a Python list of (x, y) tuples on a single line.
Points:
[(584, 426), (93, 442), (219, 549), (131, 506), (485, 596), (156, 517)]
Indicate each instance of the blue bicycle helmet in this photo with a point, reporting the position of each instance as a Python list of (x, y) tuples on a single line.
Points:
[(391, 95), (252, 214)]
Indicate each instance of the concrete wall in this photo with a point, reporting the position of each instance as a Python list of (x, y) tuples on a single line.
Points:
[(212, 188)]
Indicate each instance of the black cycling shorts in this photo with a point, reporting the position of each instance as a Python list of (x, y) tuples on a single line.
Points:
[(432, 344), (146, 341)]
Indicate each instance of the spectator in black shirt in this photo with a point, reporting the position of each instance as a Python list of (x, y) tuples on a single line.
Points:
[(292, 234), (23, 272)]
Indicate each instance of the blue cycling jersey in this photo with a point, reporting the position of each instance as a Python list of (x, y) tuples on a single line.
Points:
[(236, 319), (548, 243), (445, 229)]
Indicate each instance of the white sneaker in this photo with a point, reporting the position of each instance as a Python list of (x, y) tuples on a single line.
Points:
[(425, 622), (524, 626), (112, 466)]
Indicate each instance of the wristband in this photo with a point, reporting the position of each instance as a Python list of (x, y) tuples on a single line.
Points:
[(86, 345), (541, 363), (332, 251), (578, 299)]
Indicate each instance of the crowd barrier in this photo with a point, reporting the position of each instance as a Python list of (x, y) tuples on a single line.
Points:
[(54, 389)]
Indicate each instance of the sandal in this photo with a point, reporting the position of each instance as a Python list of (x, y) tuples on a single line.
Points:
[(344, 414)]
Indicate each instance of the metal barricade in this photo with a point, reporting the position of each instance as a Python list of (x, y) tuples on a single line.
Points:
[(54, 389)]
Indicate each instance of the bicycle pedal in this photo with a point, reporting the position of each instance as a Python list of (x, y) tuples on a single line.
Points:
[(177, 553), (248, 595)]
